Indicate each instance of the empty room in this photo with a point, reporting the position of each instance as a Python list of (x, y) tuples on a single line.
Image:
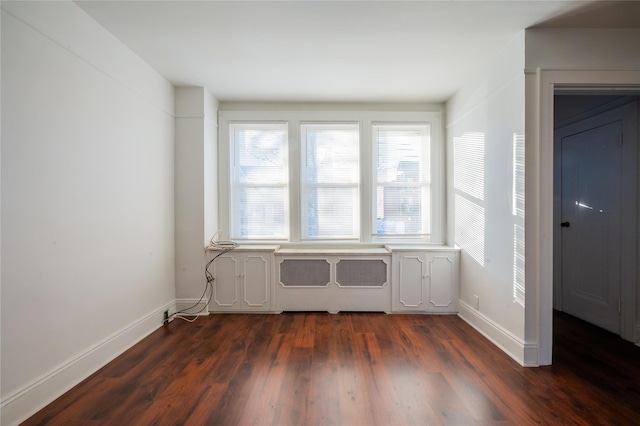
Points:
[(320, 212)]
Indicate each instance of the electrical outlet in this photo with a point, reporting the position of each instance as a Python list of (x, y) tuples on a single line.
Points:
[(476, 302)]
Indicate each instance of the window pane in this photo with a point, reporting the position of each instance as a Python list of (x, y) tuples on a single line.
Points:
[(330, 177), (261, 154), (259, 175), (402, 197), (329, 212), (401, 211), (261, 212), (331, 153)]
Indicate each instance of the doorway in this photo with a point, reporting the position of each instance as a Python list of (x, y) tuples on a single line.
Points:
[(595, 208)]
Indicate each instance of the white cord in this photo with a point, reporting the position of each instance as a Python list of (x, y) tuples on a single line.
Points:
[(213, 239), (214, 245), (195, 317)]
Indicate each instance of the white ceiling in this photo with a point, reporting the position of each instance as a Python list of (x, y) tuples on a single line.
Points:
[(322, 51)]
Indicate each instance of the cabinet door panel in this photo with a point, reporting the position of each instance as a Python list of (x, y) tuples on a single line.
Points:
[(411, 289), (225, 286), (256, 281), (442, 289)]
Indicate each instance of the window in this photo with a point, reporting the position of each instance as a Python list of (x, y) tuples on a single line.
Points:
[(402, 180), (259, 178), (343, 176), (329, 181)]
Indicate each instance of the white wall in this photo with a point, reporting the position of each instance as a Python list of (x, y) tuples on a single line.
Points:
[(196, 205), (488, 113), (87, 201), (560, 58)]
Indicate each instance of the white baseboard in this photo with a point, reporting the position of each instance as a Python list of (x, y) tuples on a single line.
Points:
[(27, 401), (524, 354), (192, 306)]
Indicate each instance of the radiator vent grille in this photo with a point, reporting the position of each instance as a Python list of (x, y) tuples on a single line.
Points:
[(361, 273), (305, 272), (322, 272)]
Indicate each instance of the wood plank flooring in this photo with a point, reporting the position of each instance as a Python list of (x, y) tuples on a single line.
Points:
[(353, 369)]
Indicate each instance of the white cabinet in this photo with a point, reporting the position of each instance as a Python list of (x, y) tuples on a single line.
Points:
[(398, 278), (243, 280), (424, 280)]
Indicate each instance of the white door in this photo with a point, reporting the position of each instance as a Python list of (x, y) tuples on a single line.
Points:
[(591, 221)]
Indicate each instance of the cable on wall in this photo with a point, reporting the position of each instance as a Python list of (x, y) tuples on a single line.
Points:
[(221, 247)]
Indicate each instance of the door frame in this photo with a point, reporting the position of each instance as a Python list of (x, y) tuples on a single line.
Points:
[(629, 205), (540, 87)]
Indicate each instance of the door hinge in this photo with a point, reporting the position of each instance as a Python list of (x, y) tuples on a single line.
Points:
[(621, 139), (619, 306)]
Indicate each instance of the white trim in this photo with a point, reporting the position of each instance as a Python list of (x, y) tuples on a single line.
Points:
[(27, 401), (524, 354), (366, 119), (539, 190), (627, 113)]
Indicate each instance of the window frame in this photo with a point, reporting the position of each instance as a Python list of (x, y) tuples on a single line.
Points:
[(368, 169), (304, 150), (424, 184), (234, 160)]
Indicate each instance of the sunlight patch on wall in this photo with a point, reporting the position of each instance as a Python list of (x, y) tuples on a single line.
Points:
[(468, 183), (468, 173), (469, 232), (518, 264), (518, 175), (518, 217)]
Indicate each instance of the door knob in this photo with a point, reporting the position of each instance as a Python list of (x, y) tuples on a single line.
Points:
[(565, 224)]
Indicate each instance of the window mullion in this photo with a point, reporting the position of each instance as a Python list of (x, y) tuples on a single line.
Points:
[(294, 180), (367, 177)]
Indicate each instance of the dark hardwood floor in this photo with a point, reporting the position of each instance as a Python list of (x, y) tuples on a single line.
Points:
[(353, 369)]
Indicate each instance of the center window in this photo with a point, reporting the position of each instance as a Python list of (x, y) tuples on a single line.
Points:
[(330, 181)]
